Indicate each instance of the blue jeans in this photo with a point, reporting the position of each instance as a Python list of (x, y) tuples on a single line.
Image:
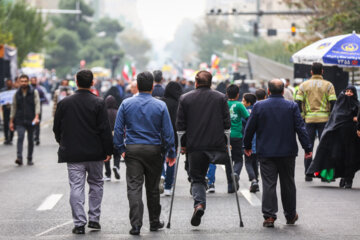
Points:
[(168, 174), (211, 173)]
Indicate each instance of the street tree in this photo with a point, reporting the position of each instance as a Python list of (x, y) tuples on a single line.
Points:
[(22, 26), (333, 17), (136, 47), (209, 35), (111, 27), (83, 43), (63, 51)]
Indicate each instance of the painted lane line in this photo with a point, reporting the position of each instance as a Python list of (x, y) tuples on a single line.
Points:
[(53, 228), (250, 197), (49, 202)]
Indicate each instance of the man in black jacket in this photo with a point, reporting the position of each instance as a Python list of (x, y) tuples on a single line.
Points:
[(24, 115), (204, 115), (83, 131)]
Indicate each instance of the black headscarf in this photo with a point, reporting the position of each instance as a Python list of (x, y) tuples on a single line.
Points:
[(338, 144)]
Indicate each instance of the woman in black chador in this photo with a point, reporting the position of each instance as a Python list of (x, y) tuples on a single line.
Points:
[(338, 153)]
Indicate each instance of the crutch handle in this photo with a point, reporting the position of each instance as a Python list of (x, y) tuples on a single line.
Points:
[(227, 132)]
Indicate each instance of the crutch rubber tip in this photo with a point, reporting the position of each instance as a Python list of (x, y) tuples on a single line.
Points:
[(241, 224), (168, 225)]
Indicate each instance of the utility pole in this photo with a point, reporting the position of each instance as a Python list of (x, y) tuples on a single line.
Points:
[(78, 9)]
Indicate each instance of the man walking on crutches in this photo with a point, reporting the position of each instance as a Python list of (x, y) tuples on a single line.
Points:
[(204, 115)]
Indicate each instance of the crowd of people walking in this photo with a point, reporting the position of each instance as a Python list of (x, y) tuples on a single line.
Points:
[(139, 122)]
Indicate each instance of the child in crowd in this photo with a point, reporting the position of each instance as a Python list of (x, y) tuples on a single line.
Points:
[(249, 100), (237, 113)]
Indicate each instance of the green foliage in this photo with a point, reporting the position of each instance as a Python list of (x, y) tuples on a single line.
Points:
[(23, 27), (333, 17), (110, 26), (76, 23), (136, 47), (63, 50), (276, 50), (74, 38), (209, 37)]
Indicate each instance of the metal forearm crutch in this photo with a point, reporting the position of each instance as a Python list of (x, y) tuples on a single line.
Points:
[(179, 135), (227, 133)]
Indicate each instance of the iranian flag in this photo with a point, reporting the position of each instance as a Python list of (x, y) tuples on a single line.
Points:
[(215, 61), (129, 71)]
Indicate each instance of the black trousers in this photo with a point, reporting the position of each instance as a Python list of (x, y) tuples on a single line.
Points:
[(143, 162), (271, 168), (312, 129), (37, 130), (237, 157), (6, 116), (117, 157)]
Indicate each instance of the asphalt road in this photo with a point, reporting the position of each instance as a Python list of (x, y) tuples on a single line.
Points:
[(35, 205)]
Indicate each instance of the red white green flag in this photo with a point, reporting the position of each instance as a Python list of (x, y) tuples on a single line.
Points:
[(129, 71)]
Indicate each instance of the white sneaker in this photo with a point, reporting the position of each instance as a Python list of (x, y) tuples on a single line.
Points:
[(107, 179), (168, 192)]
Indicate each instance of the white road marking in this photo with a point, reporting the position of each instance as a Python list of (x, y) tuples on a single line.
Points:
[(251, 197), (49, 202), (53, 228)]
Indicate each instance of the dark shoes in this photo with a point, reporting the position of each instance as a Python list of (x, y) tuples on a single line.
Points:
[(19, 162), (345, 183), (308, 178), (30, 163), (269, 222), (79, 230), (342, 182), (37, 143), (116, 172), (135, 231), (292, 221), (156, 226), (94, 225), (198, 213), (254, 186), (348, 184)]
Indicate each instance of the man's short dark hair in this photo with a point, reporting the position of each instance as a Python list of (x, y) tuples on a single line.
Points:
[(203, 79), (250, 98), (145, 81), (260, 94), (84, 78), (24, 76), (276, 86), (317, 68), (157, 76), (232, 91)]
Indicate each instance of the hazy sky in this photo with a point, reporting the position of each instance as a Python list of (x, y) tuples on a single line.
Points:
[(160, 18)]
